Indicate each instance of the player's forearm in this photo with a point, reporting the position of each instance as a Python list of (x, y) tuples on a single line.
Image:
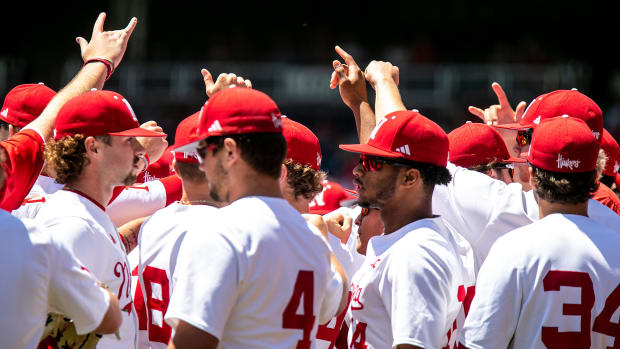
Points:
[(387, 98), (90, 76), (129, 233), (367, 122), (345, 283)]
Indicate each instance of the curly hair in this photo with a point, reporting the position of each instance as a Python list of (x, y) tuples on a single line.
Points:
[(304, 180), (567, 188), (67, 156)]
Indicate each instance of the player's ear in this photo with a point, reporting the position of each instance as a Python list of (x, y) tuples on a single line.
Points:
[(411, 177), (91, 145), (532, 179), (231, 150)]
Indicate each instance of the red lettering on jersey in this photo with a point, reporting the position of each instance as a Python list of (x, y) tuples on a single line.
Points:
[(603, 324), (142, 187), (33, 200), (304, 286), (374, 265), (355, 298), (551, 337), (331, 334), (358, 341)]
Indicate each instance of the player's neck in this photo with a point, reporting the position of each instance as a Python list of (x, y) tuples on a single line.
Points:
[(546, 208), (197, 195), (253, 184), (95, 190), (395, 217)]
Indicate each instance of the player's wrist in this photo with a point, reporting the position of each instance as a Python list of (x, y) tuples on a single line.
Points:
[(108, 63)]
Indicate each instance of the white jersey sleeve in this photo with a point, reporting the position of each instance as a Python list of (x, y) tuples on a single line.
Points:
[(30, 207), (204, 302), (137, 201), (74, 292)]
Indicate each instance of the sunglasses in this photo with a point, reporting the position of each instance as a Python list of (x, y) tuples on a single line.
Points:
[(524, 137), (202, 149), (502, 166), (374, 163), (366, 210)]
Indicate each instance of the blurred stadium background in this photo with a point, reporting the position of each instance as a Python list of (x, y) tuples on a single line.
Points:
[(448, 53)]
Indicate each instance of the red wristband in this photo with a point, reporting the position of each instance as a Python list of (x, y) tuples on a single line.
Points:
[(106, 62)]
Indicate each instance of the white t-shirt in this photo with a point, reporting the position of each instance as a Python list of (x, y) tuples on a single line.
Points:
[(253, 275), (544, 280), (39, 275), (133, 202), (157, 253), (410, 288), (84, 228), (482, 208)]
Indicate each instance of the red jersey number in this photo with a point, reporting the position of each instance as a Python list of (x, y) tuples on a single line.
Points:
[(304, 286), (156, 304)]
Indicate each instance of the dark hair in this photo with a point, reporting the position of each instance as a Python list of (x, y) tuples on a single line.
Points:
[(264, 152), (304, 180), (607, 180), (190, 172), (568, 188), (67, 156)]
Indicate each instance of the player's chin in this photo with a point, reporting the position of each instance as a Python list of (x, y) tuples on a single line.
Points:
[(130, 179)]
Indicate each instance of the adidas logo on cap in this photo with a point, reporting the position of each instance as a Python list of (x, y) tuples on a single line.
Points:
[(215, 126), (404, 149)]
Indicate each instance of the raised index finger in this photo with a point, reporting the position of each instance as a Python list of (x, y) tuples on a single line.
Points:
[(348, 59), (98, 27), (501, 95), (130, 27)]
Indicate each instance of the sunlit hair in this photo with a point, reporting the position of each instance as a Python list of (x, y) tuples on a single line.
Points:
[(67, 156), (304, 180)]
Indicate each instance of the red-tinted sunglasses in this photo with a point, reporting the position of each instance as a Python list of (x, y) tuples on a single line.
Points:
[(374, 163), (524, 137)]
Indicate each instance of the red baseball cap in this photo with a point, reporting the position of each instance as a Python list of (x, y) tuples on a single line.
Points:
[(302, 145), (25, 103), (561, 102), (331, 198), (612, 150), (476, 144), (563, 144), (161, 168), (98, 113), (186, 133), (236, 110), (406, 135)]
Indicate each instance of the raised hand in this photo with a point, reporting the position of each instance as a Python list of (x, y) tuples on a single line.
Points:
[(502, 113), (108, 45), (223, 81), (350, 80), (153, 146), (378, 71)]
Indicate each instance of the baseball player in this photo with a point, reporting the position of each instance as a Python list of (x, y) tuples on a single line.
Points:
[(604, 194), (553, 283), (478, 147), (24, 150), (409, 290), (480, 208), (94, 150), (40, 275), (159, 240), (23, 104), (258, 281), (332, 197)]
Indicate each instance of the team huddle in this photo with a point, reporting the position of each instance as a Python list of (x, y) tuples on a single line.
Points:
[(500, 234)]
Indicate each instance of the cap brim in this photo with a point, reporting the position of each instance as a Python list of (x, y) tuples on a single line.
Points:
[(138, 132), (369, 149), (515, 126), (185, 148), (512, 160)]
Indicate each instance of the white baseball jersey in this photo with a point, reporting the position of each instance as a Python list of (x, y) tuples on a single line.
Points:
[(482, 208), (157, 252), (552, 284), (133, 202), (411, 287), (39, 275), (83, 227), (351, 261), (254, 274)]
